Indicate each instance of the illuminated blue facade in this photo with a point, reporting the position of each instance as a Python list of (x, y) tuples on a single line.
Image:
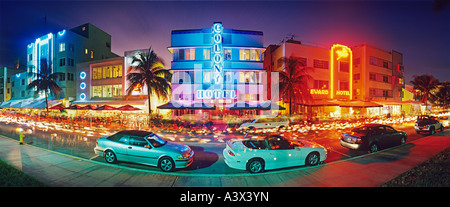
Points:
[(63, 50), (217, 66)]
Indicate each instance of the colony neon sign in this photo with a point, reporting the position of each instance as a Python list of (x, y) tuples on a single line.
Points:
[(217, 59)]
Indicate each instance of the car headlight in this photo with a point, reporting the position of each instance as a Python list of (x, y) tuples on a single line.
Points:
[(180, 157)]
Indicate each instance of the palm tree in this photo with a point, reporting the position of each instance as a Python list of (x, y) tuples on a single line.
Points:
[(424, 84), (148, 69), (45, 81), (294, 81), (442, 96)]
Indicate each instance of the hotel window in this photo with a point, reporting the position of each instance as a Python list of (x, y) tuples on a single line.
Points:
[(96, 91), (343, 86), (252, 55), (70, 76), (62, 77), (189, 54), (227, 54), (323, 64), (228, 77), (107, 72), (96, 73), (62, 47), (117, 90), (117, 71), (86, 51), (206, 54), (244, 54), (206, 76), (344, 67), (321, 84), (247, 77), (380, 62), (373, 76), (356, 76), (107, 91), (62, 62), (92, 54)]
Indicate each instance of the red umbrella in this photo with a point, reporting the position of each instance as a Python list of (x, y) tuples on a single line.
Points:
[(59, 106), (88, 107), (106, 107), (128, 108), (76, 107)]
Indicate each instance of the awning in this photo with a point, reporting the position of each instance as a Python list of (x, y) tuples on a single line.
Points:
[(111, 102), (202, 106), (268, 105), (6, 104), (320, 102), (242, 106), (172, 105), (359, 104), (388, 102)]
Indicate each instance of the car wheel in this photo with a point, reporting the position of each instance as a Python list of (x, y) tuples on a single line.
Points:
[(432, 131), (373, 148), (255, 166), (110, 157), (166, 164), (402, 141), (312, 159)]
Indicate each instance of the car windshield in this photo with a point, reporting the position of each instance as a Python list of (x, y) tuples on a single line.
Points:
[(361, 129), (156, 141)]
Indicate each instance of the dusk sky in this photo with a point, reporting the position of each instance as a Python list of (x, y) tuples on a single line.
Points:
[(414, 28)]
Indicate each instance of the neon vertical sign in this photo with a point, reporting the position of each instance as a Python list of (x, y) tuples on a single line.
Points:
[(341, 53), (217, 59)]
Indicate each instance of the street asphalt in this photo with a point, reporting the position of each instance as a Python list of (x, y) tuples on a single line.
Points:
[(57, 169)]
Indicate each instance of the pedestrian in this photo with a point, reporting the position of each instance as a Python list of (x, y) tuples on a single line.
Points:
[(21, 136)]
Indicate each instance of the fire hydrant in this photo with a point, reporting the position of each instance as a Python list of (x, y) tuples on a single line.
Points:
[(21, 136)]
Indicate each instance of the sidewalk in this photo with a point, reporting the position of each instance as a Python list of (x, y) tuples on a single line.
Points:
[(56, 169)]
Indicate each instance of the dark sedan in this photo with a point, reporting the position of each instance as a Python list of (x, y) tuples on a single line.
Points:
[(372, 137)]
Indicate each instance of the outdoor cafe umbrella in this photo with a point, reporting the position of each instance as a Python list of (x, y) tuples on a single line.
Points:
[(128, 108), (59, 106), (105, 107), (88, 107), (76, 107)]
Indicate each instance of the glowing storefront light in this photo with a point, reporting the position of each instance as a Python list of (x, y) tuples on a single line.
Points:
[(83, 85), (82, 96)]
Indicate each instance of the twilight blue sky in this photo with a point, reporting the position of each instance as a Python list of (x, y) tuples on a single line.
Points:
[(414, 28)]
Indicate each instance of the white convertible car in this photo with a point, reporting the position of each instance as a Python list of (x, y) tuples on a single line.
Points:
[(272, 152)]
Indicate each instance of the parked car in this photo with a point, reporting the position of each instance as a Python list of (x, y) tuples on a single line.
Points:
[(445, 120), (266, 122), (144, 148), (271, 152), (372, 137), (428, 124)]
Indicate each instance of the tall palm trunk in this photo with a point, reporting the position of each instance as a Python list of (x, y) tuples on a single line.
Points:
[(46, 101)]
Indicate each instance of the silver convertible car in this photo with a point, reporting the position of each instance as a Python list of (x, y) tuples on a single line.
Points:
[(144, 148)]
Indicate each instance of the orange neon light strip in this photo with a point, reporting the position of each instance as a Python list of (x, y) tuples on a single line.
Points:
[(341, 54)]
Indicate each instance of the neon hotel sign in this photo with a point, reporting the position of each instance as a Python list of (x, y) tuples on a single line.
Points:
[(337, 53), (217, 60)]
